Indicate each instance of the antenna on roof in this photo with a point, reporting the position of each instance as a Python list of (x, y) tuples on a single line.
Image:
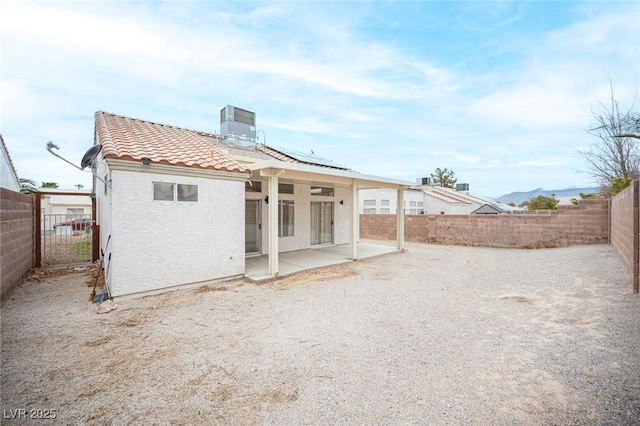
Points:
[(88, 160), (264, 138)]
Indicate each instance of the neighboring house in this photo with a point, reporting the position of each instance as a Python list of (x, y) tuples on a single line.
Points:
[(488, 209), (441, 200), (384, 201), (425, 199), (8, 176), (185, 207), (62, 208)]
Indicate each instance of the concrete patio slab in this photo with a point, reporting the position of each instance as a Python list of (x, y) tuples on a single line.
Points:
[(256, 268)]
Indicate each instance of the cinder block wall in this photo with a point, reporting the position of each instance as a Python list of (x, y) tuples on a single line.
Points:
[(17, 212), (625, 218), (587, 223)]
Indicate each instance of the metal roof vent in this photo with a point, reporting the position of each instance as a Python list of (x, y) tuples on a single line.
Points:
[(238, 127)]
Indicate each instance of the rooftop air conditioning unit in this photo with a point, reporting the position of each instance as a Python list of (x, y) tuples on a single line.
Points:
[(237, 122), (425, 181)]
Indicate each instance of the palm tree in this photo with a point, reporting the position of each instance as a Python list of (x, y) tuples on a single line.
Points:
[(28, 186), (49, 185)]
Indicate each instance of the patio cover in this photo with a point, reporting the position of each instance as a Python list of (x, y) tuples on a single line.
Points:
[(274, 169)]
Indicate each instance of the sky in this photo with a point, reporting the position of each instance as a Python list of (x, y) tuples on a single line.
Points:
[(499, 92)]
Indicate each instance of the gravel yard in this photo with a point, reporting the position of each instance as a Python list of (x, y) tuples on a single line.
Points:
[(435, 335)]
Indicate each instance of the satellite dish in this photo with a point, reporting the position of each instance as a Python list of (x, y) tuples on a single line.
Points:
[(90, 156), (87, 160)]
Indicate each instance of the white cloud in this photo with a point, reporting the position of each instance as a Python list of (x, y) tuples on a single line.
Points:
[(321, 76)]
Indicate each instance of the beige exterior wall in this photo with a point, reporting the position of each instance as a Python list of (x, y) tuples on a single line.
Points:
[(302, 221)]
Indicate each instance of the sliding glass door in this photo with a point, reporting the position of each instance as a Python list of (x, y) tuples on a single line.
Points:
[(321, 222), (252, 227)]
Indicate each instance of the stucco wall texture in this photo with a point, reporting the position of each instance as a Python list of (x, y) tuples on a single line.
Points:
[(161, 244), (302, 223)]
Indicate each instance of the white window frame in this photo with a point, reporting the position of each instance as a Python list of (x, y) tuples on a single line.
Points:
[(174, 192), (286, 229)]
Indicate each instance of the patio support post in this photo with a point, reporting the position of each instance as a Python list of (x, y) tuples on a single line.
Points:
[(273, 224), (354, 223), (400, 218)]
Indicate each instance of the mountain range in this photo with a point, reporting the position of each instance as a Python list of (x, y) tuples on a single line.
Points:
[(518, 197)]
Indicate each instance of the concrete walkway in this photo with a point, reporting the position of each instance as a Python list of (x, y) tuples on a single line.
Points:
[(256, 268)]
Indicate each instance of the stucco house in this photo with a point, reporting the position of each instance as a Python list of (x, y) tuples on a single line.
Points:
[(427, 199), (63, 207), (8, 176), (182, 207), (488, 209)]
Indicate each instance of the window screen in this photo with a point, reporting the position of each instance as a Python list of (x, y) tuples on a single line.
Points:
[(163, 191), (187, 192)]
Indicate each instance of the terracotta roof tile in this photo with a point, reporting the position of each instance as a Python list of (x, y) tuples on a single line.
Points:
[(132, 139)]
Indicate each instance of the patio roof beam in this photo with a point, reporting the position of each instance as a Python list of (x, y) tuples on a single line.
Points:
[(327, 174)]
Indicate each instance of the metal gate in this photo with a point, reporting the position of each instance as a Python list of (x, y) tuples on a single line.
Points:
[(66, 239)]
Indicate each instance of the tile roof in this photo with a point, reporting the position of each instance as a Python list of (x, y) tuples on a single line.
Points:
[(444, 194), (133, 139)]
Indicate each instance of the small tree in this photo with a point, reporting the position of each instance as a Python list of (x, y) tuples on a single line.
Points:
[(444, 178), (542, 202), (79, 186), (49, 185), (582, 197), (619, 184), (617, 155)]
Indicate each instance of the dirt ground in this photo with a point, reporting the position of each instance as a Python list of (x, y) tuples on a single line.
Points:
[(435, 335)]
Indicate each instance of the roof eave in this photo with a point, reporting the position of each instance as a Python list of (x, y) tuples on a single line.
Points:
[(362, 179), (170, 169)]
